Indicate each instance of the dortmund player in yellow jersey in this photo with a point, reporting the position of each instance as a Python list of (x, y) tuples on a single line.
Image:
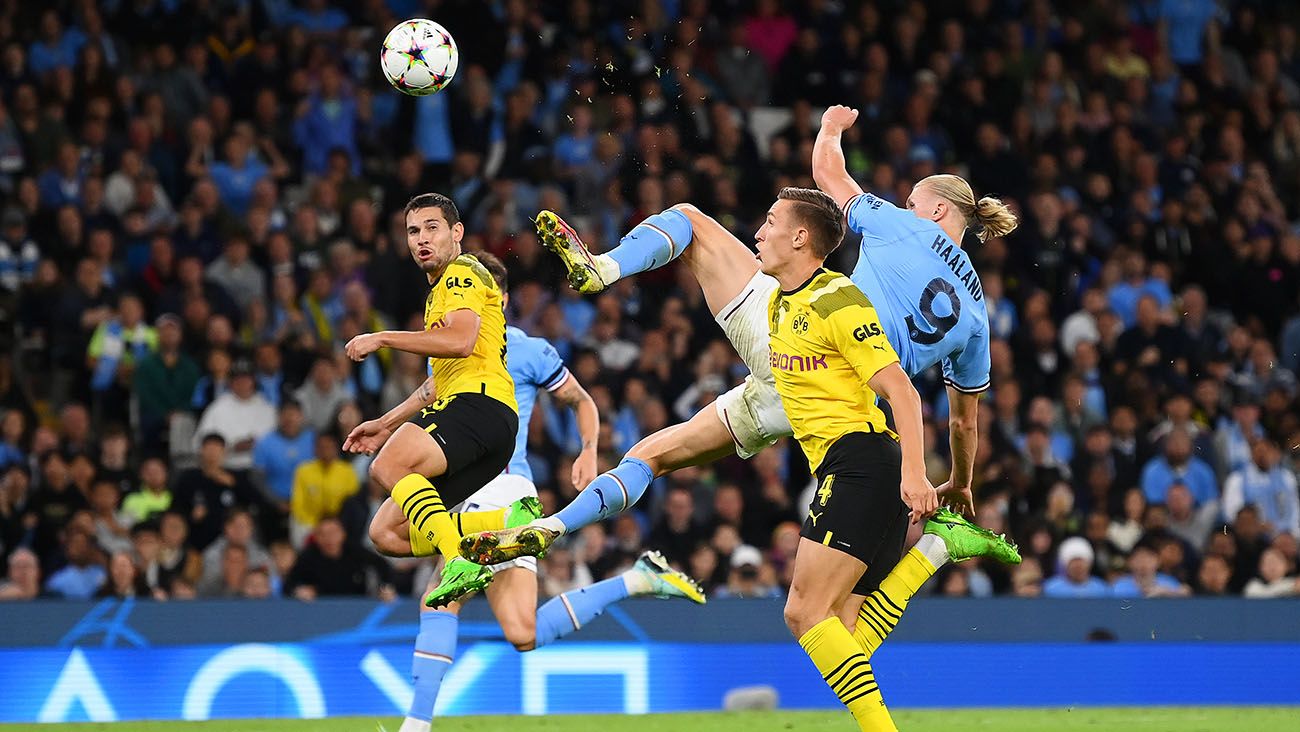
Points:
[(457, 431), (830, 357)]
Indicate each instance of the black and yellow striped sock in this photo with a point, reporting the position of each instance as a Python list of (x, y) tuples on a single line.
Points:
[(884, 607), (470, 522), (423, 507), (848, 672)]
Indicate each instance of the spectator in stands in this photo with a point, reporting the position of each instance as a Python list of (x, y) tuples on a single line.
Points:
[(83, 574), (231, 567), (75, 439), (1249, 539), (1073, 578), (257, 584), (205, 494), (23, 580), (1187, 521), (13, 439), (116, 346), (53, 504), (1233, 438), (1151, 347), (237, 274), (240, 416), (750, 576), (147, 548), (1267, 485), (1214, 578), (1177, 464), (152, 496), (1273, 579), (327, 120), (279, 453), (112, 532), (17, 523), (124, 580), (322, 395), (320, 486), (331, 566), (677, 533), (177, 560), (1144, 579), (164, 381), (238, 531)]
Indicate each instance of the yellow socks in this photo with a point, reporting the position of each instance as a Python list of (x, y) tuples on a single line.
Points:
[(423, 507), (884, 606), (848, 672), (426, 544), (473, 522)]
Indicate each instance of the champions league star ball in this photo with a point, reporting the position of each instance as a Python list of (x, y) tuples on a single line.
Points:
[(419, 57)]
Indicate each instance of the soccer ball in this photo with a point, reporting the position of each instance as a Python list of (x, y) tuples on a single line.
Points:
[(419, 57)]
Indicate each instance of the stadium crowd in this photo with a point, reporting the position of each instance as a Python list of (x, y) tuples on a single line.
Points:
[(203, 203)]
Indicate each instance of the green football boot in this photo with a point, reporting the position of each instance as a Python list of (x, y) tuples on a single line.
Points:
[(560, 238), (666, 582), (494, 547), (460, 578), (966, 540), (523, 511)]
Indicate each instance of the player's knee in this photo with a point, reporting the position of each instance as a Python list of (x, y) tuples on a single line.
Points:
[(648, 455), (383, 539), (521, 633), (380, 473), (653, 451), (801, 615)]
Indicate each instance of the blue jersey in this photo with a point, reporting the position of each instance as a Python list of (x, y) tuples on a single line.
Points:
[(925, 291), (533, 364)]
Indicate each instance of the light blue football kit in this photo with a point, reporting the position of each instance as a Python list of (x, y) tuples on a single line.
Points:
[(927, 294)]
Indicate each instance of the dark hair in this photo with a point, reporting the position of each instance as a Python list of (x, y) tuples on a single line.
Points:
[(820, 214), (495, 267), (434, 200)]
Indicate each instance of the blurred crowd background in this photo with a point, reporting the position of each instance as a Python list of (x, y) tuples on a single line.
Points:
[(202, 202)]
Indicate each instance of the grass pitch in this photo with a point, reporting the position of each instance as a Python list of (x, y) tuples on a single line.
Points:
[(1154, 719)]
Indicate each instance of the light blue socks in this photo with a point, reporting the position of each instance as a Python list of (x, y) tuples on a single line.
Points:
[(572, 610), (652, 243), (435, 648), (608, 495)]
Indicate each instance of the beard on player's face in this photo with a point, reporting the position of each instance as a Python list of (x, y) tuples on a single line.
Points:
[(433, 253)]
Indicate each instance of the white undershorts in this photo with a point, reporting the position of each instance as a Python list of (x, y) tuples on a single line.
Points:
[(500, 492), (752, 411)]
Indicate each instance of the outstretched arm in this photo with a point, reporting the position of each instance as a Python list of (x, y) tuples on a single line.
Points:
[(454, 339), (828, 167), (572, 395), (963, 438), (371, 435), (892, 384)]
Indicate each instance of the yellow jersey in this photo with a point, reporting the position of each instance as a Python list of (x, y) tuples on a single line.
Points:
[(826, 344), (467, 285)]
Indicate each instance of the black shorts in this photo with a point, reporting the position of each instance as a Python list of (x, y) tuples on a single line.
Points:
[(477, 434), (857, 508)]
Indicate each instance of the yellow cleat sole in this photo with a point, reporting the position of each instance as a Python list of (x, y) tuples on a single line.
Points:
[(497, 547), (557, 237)]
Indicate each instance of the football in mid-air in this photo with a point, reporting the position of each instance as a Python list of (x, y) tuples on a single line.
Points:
[(419, 57)]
